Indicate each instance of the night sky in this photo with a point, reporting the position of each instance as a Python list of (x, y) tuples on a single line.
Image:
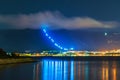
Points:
[(81, 24)]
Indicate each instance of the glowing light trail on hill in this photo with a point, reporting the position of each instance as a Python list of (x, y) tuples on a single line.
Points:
[(52, 40)]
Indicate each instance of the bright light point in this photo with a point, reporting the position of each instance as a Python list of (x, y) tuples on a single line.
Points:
[(105, 34), (65, 49), (44, 30), (46, 34), (49, 37), (44, 25), (61, 48), (56, 44), (71, 48), (52, 40)]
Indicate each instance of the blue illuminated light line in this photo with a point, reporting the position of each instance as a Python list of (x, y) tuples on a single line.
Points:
[(46, 34), (61, 48), (56, 44), (44, 30), (51, 39)]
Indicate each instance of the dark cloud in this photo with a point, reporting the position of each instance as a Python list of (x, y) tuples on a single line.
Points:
[(34, 21)]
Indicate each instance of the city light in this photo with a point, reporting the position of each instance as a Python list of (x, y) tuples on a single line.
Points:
[(105, 34), (71, 48), (65, 49)]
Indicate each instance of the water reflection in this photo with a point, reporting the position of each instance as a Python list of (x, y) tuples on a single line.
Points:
[(75, 70)]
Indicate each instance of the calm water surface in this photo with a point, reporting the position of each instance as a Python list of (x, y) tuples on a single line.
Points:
[(48, 69)]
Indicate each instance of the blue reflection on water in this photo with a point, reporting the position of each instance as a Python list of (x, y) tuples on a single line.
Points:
[(56, 70), (72, 71)]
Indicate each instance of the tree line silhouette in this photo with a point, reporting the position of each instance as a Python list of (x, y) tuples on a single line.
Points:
[(3, 54)]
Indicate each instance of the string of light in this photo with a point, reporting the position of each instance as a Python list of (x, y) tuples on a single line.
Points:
[(52, 40)]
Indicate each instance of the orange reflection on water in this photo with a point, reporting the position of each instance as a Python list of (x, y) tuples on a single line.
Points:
[(114, 71), (106, 70), (105, 73), (114, 74)]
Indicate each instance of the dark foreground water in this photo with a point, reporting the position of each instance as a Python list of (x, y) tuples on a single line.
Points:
[(48, 69)]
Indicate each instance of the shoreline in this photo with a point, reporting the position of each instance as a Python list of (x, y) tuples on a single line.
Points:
[(5, 61)]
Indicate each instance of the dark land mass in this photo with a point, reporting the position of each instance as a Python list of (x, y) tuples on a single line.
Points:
[(13, 58)]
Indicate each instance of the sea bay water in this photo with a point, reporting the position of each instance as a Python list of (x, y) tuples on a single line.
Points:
[(53, 69)]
